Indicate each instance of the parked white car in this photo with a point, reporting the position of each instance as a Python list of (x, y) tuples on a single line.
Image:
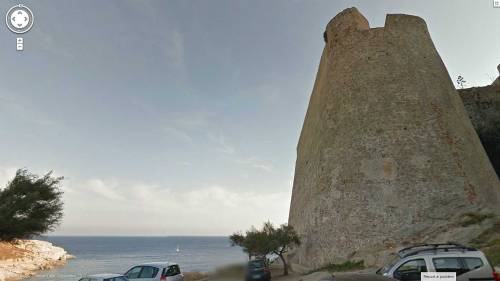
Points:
[(155, 271)]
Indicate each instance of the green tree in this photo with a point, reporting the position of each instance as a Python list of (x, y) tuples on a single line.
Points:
[(282, 239), (268, 240), (254, 242), (30, 205)]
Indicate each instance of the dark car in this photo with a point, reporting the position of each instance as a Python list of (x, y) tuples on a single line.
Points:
[(257, 270)]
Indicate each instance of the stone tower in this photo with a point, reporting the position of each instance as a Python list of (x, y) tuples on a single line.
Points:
[(387, 155)]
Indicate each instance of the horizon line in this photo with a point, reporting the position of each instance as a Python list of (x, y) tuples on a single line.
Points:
[(126, 235)]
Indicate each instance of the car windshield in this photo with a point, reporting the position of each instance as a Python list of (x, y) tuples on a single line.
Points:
[(385, 269), (256, 264)]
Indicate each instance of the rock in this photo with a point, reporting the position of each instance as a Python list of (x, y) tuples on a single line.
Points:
[(31, 256), (483, 106), (387, 155), (497, 81)]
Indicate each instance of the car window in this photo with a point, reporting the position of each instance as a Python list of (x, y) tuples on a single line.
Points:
[(172, 270), (417, 265), (148, 272), (84, 279), (134, 272), (391, 264), (448, 265), (473, 263), (410, 270), (256, 264)]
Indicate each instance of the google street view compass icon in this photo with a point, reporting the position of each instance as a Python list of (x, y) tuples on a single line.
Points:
[(19, 19)]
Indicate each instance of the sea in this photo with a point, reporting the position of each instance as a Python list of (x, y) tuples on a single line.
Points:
[(118, 254)]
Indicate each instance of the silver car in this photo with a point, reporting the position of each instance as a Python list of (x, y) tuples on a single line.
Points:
[(468, 263), (104, 277), (155, 271)]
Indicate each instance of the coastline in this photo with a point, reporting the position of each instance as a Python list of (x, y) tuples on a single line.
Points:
[(24, 258)]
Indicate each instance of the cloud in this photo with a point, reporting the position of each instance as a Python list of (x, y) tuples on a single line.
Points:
[(108, 190), (222, 145), (23, 110), (111, 207), (182, 126), (257, 163), (175, 50), (178, 134)]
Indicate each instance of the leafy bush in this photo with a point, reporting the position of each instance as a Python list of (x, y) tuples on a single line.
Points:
[(268, 240), (30, 205), (346, 266), (489, 243), (475, 218), (493, 252)]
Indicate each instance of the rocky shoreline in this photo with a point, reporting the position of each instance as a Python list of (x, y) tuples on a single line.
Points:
[(23, 258)]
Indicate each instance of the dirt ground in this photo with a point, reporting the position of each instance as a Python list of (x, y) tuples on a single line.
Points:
[(276, 273), (316, 276), (8, 251)]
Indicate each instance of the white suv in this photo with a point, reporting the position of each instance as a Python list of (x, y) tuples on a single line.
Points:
[(155, 271), (468, 263)]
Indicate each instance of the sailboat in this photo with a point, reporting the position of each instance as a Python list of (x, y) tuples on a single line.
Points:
[(178, 250)]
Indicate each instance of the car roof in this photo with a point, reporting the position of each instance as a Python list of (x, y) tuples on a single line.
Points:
[(464, 254), (434, 249), (358, 277), (158, 264), (104, 275)]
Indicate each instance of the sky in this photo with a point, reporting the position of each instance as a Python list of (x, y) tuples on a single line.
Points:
[(182, 117)]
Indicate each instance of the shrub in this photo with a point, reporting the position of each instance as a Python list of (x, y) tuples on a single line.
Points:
[(493, 252), (30, 205), (268, 240), (489, 243), (475, 218), (346, 266)]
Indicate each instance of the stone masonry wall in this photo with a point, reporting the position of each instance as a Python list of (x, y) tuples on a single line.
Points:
[(387, 155), (483, 106)]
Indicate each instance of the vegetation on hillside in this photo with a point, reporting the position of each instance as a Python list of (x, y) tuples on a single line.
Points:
[(30, 205), (268, 240), (489, 243), (461, 82), (346, 266), (475, 218)]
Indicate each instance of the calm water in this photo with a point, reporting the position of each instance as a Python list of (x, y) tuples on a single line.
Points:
[(118, 254)]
